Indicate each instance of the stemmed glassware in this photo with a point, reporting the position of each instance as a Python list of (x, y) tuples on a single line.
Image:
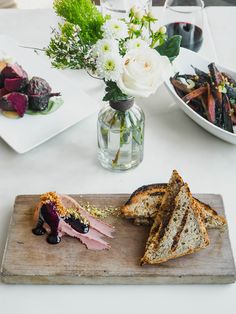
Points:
[(185, 20), (120, 8)]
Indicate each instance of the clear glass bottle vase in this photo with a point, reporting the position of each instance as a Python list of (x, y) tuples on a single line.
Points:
[(120, 131)]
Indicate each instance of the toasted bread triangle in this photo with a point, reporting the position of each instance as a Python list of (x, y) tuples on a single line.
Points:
[(145, 204), (162, 220), (145, 201), (182, 233)]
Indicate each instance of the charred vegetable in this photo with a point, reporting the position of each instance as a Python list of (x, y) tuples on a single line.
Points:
[(212, 95)]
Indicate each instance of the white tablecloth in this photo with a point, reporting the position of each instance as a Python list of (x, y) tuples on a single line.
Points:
[(68, 164)]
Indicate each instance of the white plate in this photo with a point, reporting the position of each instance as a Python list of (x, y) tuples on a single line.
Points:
[(183, 65), (30, 131)]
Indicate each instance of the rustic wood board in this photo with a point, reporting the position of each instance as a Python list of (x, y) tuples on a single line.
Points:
[(30, 259)]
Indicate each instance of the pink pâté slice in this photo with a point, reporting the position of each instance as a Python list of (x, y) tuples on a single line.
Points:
[(15, 101)]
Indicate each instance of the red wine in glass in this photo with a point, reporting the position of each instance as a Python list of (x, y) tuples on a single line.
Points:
[(192, 35), (185, 18)]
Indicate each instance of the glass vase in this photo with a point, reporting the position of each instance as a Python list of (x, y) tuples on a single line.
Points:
[(120, 131), (120, 8)]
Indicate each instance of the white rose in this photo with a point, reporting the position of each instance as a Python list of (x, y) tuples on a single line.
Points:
[(144, 70)]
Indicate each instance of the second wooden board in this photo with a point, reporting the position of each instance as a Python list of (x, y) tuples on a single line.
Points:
[(30, 259)]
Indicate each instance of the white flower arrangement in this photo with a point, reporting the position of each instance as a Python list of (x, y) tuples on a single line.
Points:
[(128, 54), (125, 58)]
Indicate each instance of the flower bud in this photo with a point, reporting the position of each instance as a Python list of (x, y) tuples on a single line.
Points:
[(150, 14), (162, 30), (136, 12), (133, 9), (133, 27)]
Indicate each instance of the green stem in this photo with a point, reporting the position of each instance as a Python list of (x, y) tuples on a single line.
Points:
[(134, 126), (114, 161), (122, 129)]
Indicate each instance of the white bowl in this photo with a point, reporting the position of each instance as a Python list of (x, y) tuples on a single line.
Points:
[(183, 65)]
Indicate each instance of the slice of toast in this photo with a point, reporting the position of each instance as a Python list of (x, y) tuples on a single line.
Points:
[(144, 204), (181, 233), (210, 217), (145, 201), (162, 218)]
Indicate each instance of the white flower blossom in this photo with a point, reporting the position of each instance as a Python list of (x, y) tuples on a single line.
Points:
[(135, 43), (144, 70), (105, 46), (115, 29), (109, 66)]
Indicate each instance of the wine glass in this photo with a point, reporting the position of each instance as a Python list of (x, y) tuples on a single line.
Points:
[(185, 20), (120, 8)]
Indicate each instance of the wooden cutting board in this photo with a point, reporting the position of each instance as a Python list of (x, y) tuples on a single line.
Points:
[(30, 259)]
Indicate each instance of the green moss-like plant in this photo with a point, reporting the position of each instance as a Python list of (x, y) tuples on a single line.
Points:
[(83, 13)]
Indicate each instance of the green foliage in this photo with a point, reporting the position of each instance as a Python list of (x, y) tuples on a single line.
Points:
[(170, 47), (113, 92), (83, 13), (66, 50)]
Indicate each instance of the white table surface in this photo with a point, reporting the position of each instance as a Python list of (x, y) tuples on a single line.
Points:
[(68, 164)]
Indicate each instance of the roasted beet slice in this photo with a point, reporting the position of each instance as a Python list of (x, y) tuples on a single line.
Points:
[(38, 86), (14, 71), (14, 102), (5, 104), (3, 92), (15, 84)]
